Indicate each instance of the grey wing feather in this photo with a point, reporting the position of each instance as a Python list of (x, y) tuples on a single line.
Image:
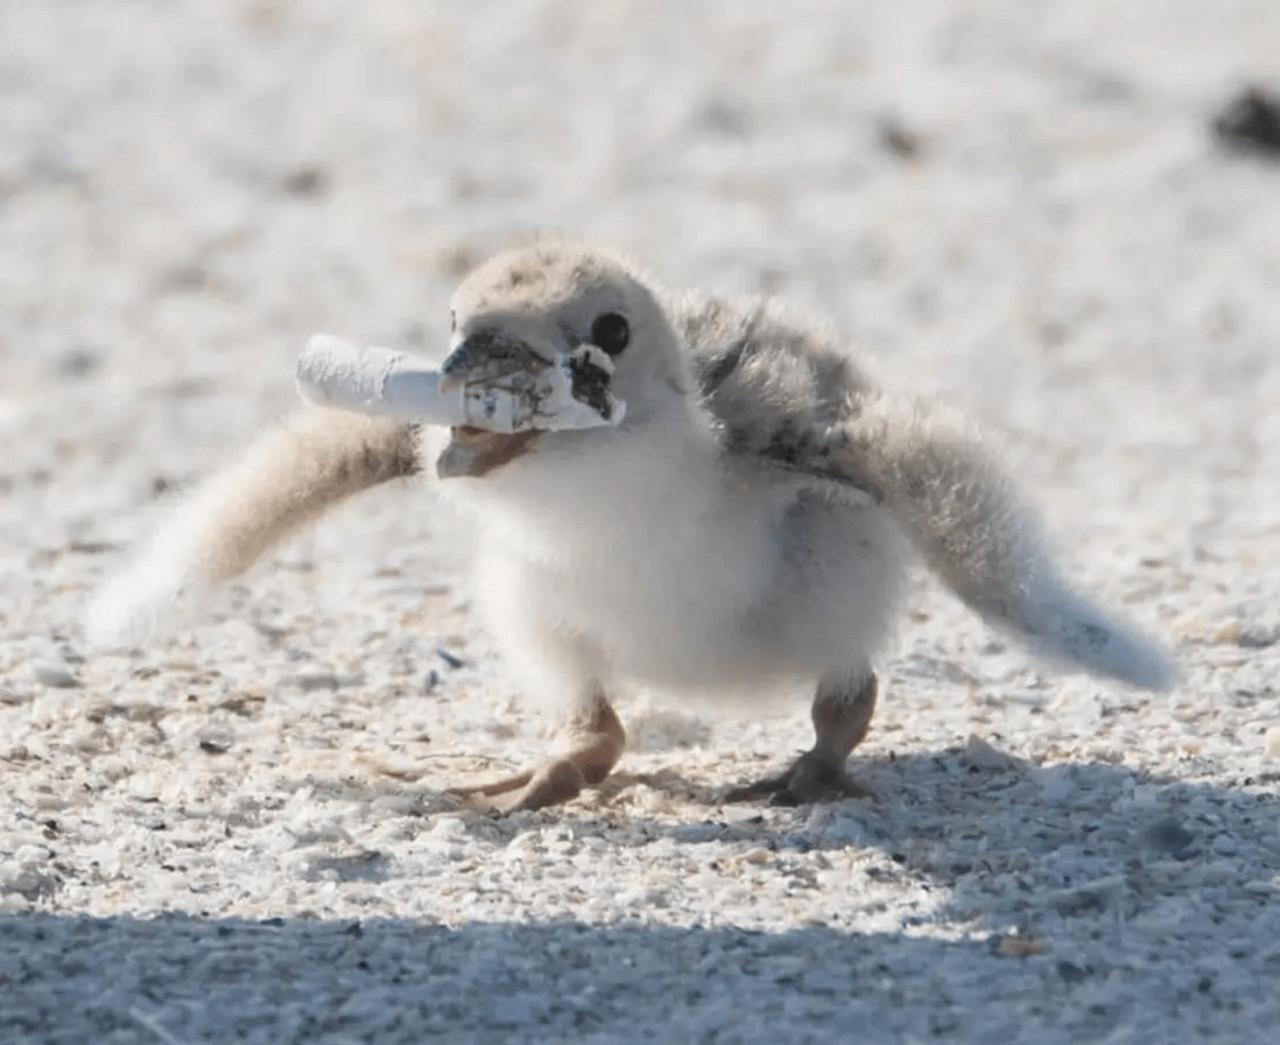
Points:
[(774, 384)]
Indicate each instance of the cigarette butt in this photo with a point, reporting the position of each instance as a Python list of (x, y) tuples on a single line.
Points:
[(336, 373), (571, 393)]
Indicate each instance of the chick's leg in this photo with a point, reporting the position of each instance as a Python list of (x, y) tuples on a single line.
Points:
[(558, 669), (591, 743), (842, 710)]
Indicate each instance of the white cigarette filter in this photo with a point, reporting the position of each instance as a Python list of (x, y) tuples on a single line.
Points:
[(570, 392)]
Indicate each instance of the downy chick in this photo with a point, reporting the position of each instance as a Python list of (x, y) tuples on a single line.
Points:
[(745, 530)]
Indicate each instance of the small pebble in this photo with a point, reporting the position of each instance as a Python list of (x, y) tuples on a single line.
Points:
[(1258, 638), (1166, 835), (898, 139), (215, 745), (1271, 742), (54, 674), (981, 755), (1071, 972), (1059, 788), (78, 362), (1092, 897), (1250, 122), (449, 827), (309, 681), (1228, 633), (1020, 946), (305, 181), (450, 658), (31, 854)]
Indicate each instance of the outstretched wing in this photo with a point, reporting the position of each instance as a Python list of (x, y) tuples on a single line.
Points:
[(784, 395)]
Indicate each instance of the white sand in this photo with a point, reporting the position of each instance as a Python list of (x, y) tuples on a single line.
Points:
[(242, 834)]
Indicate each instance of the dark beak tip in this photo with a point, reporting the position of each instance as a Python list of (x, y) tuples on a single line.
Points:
[(460, 358), (486, 355)]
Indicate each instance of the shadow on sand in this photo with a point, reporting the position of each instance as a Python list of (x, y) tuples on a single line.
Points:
[(1149, 894)]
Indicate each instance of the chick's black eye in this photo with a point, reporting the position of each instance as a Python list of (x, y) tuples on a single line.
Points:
[(611, 332)]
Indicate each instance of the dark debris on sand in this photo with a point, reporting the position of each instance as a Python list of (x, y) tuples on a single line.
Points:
[(1250, 122)]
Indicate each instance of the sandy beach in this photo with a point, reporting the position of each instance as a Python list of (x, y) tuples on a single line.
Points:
[(243, 832)]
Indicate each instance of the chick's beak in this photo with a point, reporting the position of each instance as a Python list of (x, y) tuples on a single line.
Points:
[(487, 356)]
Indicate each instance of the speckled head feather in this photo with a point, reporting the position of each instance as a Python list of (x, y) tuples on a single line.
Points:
[(550, 294)]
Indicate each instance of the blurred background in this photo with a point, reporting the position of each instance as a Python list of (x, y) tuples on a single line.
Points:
[(1020, 205)]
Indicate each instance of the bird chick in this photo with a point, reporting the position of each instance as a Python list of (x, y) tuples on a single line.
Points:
[(744, 531)]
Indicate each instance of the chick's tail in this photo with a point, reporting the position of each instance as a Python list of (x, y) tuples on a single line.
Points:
[(291, 475)]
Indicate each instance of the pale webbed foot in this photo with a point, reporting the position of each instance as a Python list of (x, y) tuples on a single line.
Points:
[(558, 781), (593, 744), (813, 777), (842, 711)]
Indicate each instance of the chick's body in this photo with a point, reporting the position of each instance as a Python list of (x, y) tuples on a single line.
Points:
[(671, 568)]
